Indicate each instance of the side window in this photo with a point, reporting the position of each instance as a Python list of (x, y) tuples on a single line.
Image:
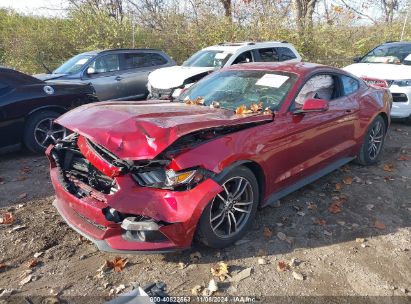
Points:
[(320, 86), (157, 59), (286, 54), (268, 55), (135, 61), (350, 85), (106, 63), (243, 58)]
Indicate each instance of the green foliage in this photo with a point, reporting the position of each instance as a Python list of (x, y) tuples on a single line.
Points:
[(28, 41)]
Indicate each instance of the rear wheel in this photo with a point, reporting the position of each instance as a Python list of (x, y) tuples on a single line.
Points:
[(371, 148), (229, 215), (41, 131)]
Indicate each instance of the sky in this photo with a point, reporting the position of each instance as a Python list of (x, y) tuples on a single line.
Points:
[(36, 7)]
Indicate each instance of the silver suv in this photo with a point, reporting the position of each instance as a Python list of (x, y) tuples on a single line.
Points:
[(118, 74)]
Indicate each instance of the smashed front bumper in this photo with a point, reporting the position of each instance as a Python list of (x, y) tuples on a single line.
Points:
[(174, 214)]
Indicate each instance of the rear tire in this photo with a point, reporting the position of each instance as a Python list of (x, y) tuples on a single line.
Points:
[(371, 149), (229, 215), (41, 131)]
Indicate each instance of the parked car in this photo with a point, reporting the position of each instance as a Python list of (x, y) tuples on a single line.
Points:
[(28, 107), (118, 74), (167, 83), (389, 65), (151, 176)]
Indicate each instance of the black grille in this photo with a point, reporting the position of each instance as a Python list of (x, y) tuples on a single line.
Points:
[(399, 97)]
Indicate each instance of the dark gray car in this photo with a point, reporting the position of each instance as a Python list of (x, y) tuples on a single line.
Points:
[(118, 74)]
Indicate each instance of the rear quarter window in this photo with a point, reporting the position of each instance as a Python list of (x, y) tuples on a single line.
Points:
[(350, 85), (286, 54)]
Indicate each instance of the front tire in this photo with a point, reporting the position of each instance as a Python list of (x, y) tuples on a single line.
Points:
[(371, 149), (41, 131), (230, 213)]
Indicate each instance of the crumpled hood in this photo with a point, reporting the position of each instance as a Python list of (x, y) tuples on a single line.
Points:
[(173, 77), (134, 131), (46, 77), (380, 70)]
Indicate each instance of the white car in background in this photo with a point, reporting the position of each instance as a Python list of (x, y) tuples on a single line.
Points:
[(389, 65), (169, 82)]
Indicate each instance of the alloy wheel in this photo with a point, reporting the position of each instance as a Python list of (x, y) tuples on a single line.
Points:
[(47, 132), (232, 207), (375, 140)]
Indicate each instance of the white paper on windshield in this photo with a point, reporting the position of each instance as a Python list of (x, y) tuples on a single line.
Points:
[(408, 58), (272, 80), (220, 56)]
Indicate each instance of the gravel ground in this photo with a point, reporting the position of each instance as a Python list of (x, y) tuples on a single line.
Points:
[(302, 246)]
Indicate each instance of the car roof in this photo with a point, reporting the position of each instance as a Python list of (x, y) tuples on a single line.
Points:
[(232, 47), (96, 52), (397, 43), (299, 68)]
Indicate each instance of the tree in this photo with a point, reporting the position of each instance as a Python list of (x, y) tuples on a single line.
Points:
[(304, 10), (389, 6)]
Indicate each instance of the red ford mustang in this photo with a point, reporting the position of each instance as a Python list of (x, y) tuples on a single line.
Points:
[(152, 176)]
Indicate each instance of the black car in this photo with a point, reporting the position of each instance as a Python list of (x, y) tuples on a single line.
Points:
[(28, 107)]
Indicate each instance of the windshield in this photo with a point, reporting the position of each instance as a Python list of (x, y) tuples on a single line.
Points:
[(232, 89), (394, 54), (73, 65), (207, 59)]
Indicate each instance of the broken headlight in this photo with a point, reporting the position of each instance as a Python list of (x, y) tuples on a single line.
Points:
[(170, 179)]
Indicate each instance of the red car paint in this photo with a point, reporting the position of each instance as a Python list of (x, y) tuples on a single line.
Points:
[(284, 150)]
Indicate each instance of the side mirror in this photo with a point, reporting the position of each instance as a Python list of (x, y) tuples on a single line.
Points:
[(91, 71), (357, 59), (313, 105)]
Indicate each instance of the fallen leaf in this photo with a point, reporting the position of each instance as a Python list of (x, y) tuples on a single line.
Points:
[(338, 187), (215, 105), (6, 218), (345, 168), (298, 276), (243, 110), (195, 257), (25, 170), (388, 167), (379, 225), (311, 206), (196, 290), (267, 111), (282, 266), (21, 196), (117, 264), (254, 107), (21, 178), (268, 233), (26, 280), (220, 270), (335, 207), (320, 222), (348, 180), (403, 158), (282, 236), (3, 266), (33, 263), (197, 101)]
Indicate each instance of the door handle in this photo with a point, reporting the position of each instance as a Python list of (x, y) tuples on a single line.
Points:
[(118, 78), (349, 111)]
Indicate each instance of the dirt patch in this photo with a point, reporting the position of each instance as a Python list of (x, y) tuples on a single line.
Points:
[(349, 234)]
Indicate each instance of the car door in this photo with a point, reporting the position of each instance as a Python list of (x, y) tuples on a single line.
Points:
[(11, 126), (135, 68), (315, 141), (103, 74)]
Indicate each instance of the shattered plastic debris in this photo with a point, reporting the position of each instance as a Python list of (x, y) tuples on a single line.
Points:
[(243, 274)]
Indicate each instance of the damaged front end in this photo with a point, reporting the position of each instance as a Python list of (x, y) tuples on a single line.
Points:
[(127, 205)]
